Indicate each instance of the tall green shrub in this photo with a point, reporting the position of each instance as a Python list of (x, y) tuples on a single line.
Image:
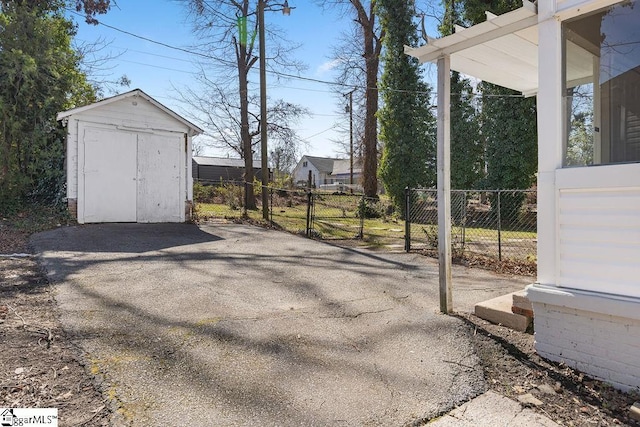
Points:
[(407, 125), (39, 77)]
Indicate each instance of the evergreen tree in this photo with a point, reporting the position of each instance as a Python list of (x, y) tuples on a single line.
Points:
[(508, 122), (407, 126), (39, 77), (509, 127), (467, 148)]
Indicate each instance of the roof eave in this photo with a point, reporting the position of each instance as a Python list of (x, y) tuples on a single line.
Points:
[(193, 129)]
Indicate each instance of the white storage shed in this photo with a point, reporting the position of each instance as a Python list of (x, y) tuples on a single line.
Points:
[(128, 160)]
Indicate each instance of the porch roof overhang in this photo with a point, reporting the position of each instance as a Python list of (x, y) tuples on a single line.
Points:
[(502, 50)]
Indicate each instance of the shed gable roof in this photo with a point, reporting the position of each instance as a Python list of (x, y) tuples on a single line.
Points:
[(224, 162), (194, 130)]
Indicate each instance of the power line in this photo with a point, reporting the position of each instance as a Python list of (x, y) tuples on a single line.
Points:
[(319, 133), (203, 55), (127, 49), (158, 66), (277, 73)]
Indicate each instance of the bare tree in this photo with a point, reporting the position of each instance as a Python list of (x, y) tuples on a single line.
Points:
[(226, 100), (351, 76), (369, 37), (95, 61)]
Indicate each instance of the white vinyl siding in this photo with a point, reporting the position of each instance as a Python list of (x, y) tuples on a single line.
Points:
[(124, 115), (598, 234)]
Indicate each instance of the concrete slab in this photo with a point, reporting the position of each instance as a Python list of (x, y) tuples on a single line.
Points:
[(498, 310), (489, 410)]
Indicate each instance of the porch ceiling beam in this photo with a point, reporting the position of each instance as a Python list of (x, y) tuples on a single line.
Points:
[(494, 27), (474, 41)]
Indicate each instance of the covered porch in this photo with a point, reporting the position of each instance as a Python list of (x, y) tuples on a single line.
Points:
[(581, 59)]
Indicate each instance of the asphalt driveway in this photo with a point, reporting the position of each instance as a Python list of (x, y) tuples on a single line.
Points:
[(233, 325)]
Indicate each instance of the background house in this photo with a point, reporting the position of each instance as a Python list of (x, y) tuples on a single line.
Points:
[(582, 59), (128, 160), (342, 171), (320, 167), (214, 170), (326, 172)]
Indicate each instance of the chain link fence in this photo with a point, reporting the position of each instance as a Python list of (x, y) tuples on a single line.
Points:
[(219, 199), (318, 214), (353, 216), (498, 224)]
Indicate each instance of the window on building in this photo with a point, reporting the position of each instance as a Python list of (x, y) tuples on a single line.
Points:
[(304, 164), (602, 86)]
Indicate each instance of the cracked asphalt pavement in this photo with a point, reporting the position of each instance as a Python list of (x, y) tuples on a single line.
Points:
[(234, 325)]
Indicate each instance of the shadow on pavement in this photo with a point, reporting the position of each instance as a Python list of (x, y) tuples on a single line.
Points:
[(131, 238)]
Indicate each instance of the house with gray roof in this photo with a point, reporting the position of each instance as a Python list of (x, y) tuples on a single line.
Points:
[(325, 171)]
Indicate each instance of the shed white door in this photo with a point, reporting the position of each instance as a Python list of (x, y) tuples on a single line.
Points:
[(159, 178), (131, 177), (110, 173)]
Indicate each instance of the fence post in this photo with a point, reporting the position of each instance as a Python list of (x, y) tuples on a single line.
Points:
[(308, 231), (499, 230), (407, 219), (362, 212), (270, 206), (246, 199), (463, 220)]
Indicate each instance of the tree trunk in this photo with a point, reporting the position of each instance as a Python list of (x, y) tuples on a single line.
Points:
[(370, 172), (372, 47)]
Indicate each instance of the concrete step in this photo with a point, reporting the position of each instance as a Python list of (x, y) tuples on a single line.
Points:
[(498, 310)]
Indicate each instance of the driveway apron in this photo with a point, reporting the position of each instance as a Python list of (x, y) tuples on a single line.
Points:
[(233, 325)]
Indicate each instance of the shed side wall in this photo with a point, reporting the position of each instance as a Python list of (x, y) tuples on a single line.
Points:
[(72, 159)]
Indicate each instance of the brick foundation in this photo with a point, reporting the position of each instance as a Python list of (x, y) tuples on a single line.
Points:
[(188, 211), (598, 335), (72, 206)]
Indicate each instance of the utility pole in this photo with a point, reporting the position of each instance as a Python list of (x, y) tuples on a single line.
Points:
[(263, 112), (350, 111), (286, 10)]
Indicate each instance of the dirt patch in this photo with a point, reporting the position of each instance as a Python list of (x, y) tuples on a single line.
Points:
[(509, 266), (512, 368), (39, 367), (12, 241)]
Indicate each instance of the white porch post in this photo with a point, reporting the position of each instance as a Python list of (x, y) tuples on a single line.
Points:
[(550, 138), (444, 182)]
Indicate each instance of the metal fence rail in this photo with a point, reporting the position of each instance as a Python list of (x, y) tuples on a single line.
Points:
[(498, 224)]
